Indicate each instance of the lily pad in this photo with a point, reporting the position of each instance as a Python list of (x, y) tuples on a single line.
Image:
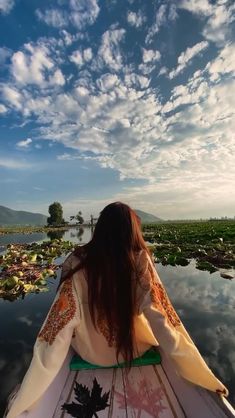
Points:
[(205, 265)]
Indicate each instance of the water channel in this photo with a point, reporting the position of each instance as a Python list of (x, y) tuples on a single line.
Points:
[(204, 301)]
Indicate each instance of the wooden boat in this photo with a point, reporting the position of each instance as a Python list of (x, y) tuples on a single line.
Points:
[(149, 391)]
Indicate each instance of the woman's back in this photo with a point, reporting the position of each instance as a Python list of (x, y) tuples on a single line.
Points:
[(110, 263), (97, 344)]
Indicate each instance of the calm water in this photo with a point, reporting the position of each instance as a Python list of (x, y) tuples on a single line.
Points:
[(78, 235), (205, 303)]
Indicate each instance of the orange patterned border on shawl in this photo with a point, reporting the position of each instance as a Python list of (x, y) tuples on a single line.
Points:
[(62, 311), (161, 301), (160, 298)]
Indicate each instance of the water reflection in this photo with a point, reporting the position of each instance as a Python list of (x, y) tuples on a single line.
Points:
[(55, 234), (78, 234), (19, 325), (205, 303), (19, 238)]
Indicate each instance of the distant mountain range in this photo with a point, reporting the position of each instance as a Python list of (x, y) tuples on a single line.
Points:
[(20, 217), (147, 217)]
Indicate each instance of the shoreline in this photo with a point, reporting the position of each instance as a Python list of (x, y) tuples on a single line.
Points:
[(32, 229)]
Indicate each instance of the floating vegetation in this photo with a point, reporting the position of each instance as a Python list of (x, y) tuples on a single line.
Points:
[(211, 243), (26, 268), (205, 265), (27, 230)]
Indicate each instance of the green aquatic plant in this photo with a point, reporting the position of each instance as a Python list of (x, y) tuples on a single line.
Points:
[(26, 268), (211, 243), (205, 265)]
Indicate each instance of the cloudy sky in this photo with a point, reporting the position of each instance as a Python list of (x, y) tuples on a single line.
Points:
[(118, 100)]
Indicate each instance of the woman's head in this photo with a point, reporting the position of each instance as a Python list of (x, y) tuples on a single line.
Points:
[(118, 229)]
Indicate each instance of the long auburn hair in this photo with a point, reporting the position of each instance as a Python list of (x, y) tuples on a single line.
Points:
[(109, 262)]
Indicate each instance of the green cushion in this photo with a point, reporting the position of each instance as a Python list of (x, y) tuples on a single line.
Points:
[(152, 356)]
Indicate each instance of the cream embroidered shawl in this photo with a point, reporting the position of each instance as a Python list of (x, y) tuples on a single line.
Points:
[(68, 323)]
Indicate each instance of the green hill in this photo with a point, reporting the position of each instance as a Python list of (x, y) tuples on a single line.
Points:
[(20, 217), (147, 217)]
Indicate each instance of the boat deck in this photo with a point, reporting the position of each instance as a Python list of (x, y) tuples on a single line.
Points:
[(154, 391)]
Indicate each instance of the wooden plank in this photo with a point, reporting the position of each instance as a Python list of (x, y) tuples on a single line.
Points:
[(193, 400), (172, 399), (104, 378), (65, 394), (219, 406), (160, 402), (139, 393), (119, 402)]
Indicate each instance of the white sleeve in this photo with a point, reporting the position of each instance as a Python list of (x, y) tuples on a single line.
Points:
[(172, 336), (50, 349)]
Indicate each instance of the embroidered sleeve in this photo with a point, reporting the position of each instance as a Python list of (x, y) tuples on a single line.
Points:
[(162, 302), (149, 281), (61, 313), (50, 349), (172, 336)]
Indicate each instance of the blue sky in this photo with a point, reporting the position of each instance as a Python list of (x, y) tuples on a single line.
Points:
[(118, 100)]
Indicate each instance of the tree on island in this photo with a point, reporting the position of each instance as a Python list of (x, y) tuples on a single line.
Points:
[(56, 214), (78, 218)]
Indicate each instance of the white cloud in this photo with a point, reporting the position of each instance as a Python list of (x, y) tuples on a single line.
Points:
[(109, 52), (163, 70), (68, 37), (107, 81), (87, 54), (29, 66), (150, 55), (34, 65), (146, 68), (186, 57), (57, 78), (3, 108), (165, 13), (218, 17), (77, 58), (135, 19), (223, 64), (6, 6), (25, 320), (24, 143), (218, 28), (160, 20), (80, 58), (83, 12), (180, 155), (38, 189), (172, 12), (120, 122), (201, 7), (53, 17), (13, 164), (135, 80), (80, 13), (12, 96)]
